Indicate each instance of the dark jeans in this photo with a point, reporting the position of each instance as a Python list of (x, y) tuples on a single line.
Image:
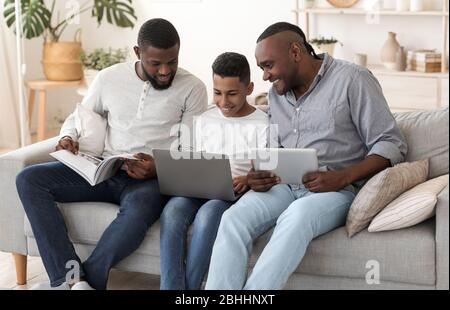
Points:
[(184, 267), (41, 186)]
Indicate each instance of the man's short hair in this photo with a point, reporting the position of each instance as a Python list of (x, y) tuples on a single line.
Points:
[(158, 33), (232, 65), (283, 26)]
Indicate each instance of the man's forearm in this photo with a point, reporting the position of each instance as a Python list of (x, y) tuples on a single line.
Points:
[(366, 168)]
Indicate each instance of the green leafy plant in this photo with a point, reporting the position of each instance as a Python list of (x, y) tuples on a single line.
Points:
[(38, 19), (100, 58), (323, 41)]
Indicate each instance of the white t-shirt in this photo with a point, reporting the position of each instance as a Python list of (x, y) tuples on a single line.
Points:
[(232, 136)]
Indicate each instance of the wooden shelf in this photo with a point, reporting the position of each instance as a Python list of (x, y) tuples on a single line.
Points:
[(380, 69), (364, 12)]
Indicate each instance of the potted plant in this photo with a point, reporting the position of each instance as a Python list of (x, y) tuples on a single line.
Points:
[(324, 45), (61, 60), (100, 59)]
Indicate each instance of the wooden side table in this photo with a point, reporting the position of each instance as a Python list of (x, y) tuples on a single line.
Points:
[(42, 86)]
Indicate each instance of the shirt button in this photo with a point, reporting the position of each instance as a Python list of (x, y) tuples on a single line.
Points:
[(298, 109), (295, 130)]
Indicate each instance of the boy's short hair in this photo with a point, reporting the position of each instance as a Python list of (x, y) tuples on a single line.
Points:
[(232, 65)]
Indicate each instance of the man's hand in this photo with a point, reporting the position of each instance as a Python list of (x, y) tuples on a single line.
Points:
[(240, 184), (325, 181), (142, 168), (66, 143), (262, 181)]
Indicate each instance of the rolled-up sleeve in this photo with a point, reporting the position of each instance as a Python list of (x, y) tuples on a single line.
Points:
[(373, 119)]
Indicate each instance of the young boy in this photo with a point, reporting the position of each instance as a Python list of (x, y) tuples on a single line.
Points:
[(232, 128)]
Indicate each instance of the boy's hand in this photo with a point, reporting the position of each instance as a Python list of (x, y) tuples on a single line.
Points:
[(262, 181), (240, 184), (66, 143), (142, 168)]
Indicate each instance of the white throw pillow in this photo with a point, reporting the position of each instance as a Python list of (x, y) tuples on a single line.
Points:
[(91, 128), (410, 208)]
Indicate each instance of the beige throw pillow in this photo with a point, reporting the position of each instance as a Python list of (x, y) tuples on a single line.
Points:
[(410, 208), (380, 190)]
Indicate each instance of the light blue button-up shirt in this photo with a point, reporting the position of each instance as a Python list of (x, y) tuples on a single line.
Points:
[(343, 115)]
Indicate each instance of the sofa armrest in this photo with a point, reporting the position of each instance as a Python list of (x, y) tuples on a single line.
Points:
[(12, 236), (442, 241)]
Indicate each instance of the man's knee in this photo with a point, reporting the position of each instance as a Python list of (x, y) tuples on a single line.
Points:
[(142, 209), (28, 178), (233, 221), (299, 213)]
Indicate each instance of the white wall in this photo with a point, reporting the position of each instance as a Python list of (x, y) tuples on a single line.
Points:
[(207, 28), (210, 27)]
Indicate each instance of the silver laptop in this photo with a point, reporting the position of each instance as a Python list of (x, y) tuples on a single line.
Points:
[(194, 174)]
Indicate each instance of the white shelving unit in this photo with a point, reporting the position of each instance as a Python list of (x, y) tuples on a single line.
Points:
[(406, 90)]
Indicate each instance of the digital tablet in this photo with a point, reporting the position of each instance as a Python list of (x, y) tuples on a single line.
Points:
[(288, 164)]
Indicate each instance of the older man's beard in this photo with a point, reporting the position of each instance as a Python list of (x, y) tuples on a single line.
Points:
[(154, 82)]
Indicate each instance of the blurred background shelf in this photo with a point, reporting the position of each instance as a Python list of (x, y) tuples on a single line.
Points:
[(404, 90), (364, 12)]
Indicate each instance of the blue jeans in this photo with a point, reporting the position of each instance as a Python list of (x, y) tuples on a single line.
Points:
[(184, 267), (41, 186), (298, 216)]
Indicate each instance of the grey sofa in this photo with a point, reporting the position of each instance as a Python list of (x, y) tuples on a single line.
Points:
[(412, 258)]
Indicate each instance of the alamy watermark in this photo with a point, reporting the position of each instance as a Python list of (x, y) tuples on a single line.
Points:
[(373, 275), (74, 274), (237, 141)]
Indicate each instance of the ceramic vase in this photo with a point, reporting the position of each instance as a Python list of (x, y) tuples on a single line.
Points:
[(389, 51)]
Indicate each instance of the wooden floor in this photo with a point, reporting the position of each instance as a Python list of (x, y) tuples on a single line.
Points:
[(119, 280)]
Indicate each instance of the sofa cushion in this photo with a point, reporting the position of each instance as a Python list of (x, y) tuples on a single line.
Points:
[(406, 255), (426, 134), (410, 208), (91, 128), (380, 190), (86, 222), (399, 252)]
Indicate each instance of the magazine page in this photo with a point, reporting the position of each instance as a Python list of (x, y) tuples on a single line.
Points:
[(85, 165), (92, 169)]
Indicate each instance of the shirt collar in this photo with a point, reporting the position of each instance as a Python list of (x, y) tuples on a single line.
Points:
[(327, 61)]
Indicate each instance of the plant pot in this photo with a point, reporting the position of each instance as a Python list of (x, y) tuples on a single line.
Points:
[(61, 61), (324, 48), (89, 76)]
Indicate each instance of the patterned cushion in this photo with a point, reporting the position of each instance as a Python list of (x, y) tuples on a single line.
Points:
[(411, 207), (380, 190)]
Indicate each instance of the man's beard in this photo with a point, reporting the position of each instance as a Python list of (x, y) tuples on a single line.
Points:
[(154, 82)]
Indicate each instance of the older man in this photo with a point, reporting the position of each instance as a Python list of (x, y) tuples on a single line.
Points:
[(317, 102)]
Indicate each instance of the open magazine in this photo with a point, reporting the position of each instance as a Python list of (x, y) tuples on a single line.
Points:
[(92, 169)]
